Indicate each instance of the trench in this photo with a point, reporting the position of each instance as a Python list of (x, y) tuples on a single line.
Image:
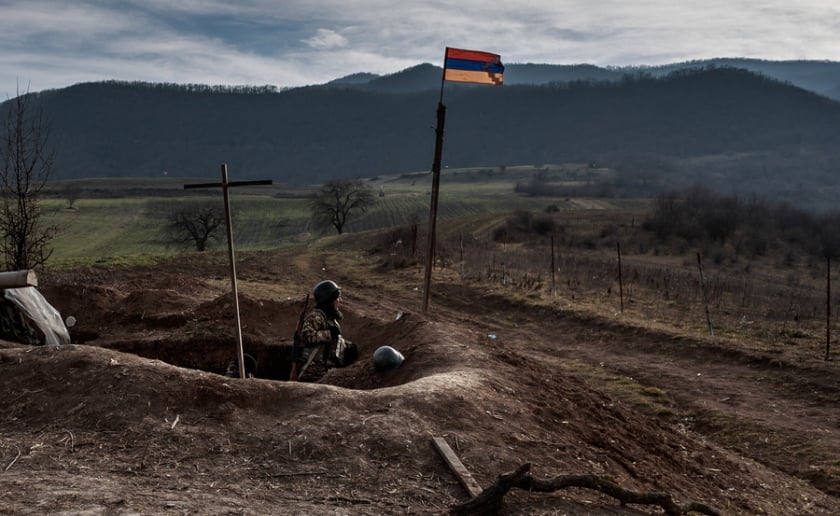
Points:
[(214, 354), (209, 344)]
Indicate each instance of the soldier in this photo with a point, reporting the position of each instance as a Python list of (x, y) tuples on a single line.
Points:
[(320, 335)]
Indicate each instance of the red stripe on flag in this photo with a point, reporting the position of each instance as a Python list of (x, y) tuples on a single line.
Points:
[(472, 55)]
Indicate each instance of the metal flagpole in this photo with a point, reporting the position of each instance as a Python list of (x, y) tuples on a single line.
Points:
[(430, 248), (224, 185)]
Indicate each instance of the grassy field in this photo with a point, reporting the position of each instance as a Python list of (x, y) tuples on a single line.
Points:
[(122, 220)]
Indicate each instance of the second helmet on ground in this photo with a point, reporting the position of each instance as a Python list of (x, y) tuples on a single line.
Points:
[(386, 358)]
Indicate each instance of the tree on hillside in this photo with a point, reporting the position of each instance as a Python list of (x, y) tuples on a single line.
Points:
[(339, 199), (27, 159), (71, 193), (194, 226)]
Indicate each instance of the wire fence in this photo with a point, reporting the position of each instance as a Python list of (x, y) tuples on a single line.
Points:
[(777, 307)]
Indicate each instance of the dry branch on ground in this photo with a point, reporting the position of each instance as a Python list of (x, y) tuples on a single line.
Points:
[(490, 500)]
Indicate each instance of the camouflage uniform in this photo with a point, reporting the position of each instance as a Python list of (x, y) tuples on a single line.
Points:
[(317, 338)]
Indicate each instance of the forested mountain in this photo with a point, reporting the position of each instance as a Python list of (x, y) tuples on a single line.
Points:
[(821, 77), (722, 126), (427, 77)]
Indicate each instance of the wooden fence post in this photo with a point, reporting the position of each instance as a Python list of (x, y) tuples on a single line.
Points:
[(620, 282), (705, 301), (553, 270), (827, 306)]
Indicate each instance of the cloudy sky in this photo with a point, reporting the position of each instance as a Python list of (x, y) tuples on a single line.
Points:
[(46, 44)]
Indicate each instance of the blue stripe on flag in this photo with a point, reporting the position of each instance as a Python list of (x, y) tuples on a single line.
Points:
[(477, 66)]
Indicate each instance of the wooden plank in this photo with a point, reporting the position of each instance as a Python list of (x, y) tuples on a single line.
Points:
[(454, 463)]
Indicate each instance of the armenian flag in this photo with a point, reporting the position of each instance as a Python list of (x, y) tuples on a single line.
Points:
[(473, 66)]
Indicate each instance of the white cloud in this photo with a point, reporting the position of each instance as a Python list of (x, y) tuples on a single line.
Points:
[(325, 39), (52, 43)]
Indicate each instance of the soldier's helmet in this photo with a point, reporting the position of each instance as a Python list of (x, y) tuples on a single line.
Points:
[(325, 291), (386, 358)]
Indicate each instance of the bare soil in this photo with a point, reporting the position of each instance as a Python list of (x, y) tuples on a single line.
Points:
[(136, 417)]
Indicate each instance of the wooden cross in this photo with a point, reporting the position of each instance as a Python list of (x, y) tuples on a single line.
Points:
[(224, 185)]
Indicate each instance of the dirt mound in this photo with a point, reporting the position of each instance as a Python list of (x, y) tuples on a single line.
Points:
[(260, 318), (140, 420)]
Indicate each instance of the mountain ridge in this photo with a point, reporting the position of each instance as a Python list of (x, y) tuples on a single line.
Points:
[(651, 128), (821, 77)]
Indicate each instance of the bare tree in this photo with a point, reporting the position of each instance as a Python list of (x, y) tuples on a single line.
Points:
[(27, 159), (194, 226), (339, 199), (71, 193)]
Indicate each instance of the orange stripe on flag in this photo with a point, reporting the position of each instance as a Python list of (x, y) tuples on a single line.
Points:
[(493, 79)]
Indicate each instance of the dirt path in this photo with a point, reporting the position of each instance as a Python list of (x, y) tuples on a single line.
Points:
[(779, 413)]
